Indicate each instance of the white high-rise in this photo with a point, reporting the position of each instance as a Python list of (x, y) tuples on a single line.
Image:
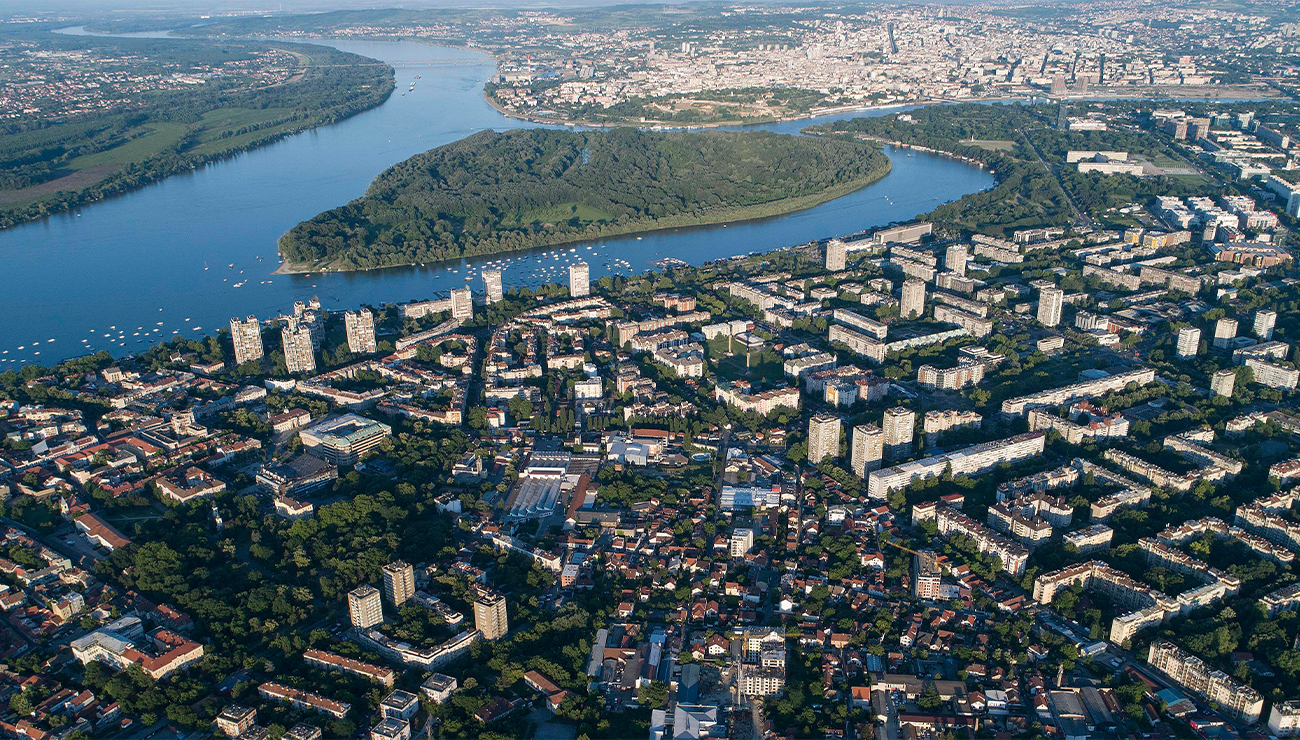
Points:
[(954, 259), (1225, 330), (899, 428), (836, 252), (1050, 301), (299, 356), (1189, 342), (247, 338), (1223, 383), (868, 449), (1265, 320), (399, 582), (823, 437), (742, 541), (579, 280), (360, 326), (492, 286), (365, 609), (913, 300), (462, 304)]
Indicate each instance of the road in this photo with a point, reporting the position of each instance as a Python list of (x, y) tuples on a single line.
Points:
[(1079, 216)]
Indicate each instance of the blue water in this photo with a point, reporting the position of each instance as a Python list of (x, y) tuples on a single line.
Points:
[(164, 260)]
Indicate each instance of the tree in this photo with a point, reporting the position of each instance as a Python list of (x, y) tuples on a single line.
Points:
[(653, 695), (929, 699)]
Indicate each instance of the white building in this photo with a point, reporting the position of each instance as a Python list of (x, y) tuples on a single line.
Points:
[(579, 279), (823, 437), (1189, 342), (247, 337), (360, 327), (492, 286)]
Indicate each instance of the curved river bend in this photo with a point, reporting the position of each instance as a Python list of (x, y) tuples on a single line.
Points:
[(186, 254)]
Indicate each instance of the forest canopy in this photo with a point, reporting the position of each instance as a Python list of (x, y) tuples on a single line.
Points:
[(497, 192)]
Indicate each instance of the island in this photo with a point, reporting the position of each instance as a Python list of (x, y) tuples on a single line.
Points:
[(500, 192)]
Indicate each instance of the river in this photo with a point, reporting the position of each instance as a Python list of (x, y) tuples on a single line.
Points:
[(184, 255)]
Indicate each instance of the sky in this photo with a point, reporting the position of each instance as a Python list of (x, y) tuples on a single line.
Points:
[(121, 8)]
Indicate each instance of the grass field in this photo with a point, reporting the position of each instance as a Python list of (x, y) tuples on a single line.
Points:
[(993, 145), (161, 137), (563, 212)]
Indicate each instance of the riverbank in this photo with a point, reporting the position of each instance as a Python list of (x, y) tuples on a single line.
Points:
[(1225, 93), (679, 126)]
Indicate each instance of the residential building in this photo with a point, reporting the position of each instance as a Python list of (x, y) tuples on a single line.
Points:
[(1265, 320), (1237, 700), (1222, 383), (462, 304), (1078, 391), (247, 338), (235, 720), (490, 614), (1225, 330), (299, 351), (899, 429), (927, 578), (742, 541), (1273, 375), (365, 609), (399, 582), (868, 449), (1189, 342), (360, 326), (439, 687), (1050, 301), (1284, 719), (304, 700), (971, 460), (579, 280), (823, 437), (380, 674), (912, 304), (955, 258), (492, 286), (836, 251)]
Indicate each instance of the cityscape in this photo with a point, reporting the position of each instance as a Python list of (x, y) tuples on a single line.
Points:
[(1020, 465)]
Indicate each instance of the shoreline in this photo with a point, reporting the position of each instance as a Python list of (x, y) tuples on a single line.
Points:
[(724, 216), (1217, 95)]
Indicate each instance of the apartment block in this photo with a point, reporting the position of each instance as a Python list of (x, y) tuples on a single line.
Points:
[(492, 290), (579, 279), (247, 338), (399, 582), (1078, 391), (365, 608), (490, 614), (360, 326), (868, 449), (823, 437), (1234, 699), (971, 460)]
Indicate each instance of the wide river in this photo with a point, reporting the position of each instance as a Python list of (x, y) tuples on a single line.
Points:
[(186, 254)]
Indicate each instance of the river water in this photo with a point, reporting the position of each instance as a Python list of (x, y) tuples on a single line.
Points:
[(184, 255)]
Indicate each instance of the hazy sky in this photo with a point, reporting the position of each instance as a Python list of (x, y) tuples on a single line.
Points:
[(103, 8)]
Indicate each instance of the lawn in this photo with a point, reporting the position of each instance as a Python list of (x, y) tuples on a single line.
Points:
[(564, 212), (993, 145)]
